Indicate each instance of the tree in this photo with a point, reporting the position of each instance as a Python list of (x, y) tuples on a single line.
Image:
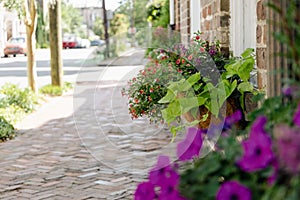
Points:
[(72, 19), (55, 42), (98, 27), (27, 11)]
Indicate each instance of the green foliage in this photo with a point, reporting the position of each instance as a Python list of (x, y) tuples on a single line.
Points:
[(6, 129), (98, 27), (41, 33), (158, 13), (14, 104), (55, 90), (71, 19), (14, 95)]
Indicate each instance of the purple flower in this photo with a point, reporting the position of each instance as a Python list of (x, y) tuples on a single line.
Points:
[(287, 144), (296, 118), (163, 174), (258, 152), (290, 90), (191, 145), (170, 194), (232, 119), (145, 191), (212, 51), (233, 190)]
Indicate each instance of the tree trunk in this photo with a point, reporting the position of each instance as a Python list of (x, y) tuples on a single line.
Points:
[(30, 22), (55, 43), (106, 36)]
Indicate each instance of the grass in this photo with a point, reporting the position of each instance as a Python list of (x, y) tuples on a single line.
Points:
[(55, 90)]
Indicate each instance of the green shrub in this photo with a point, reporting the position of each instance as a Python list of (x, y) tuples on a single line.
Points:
[(6, 129), (12, 94), (55, 90)]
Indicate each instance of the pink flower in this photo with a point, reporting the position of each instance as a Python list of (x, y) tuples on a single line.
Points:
[(151, 90), (190, 57), (178, 61), (202, 49)]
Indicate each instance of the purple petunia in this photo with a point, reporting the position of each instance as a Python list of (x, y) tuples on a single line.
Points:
[(296, 118), (258, 152), (163, 174), (145, 191), (191, 145), (232, 119), (287, 143), (233, 190)]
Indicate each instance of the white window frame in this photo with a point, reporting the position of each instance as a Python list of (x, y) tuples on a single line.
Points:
[(242, 25), (195, 16)]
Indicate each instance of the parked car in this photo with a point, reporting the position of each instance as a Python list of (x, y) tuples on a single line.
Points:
[(97, 42), (71, 41), (14, 46), (85, 43)]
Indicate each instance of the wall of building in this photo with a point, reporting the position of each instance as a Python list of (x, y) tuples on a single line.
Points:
[(215, 18), (185, 21), (261, 44)]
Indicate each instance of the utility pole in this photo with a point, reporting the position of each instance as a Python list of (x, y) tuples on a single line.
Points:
[(105, 30)]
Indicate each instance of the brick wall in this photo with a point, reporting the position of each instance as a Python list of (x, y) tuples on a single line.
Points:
[(261, 44), (177, 14), (215, 18), (185, 21)]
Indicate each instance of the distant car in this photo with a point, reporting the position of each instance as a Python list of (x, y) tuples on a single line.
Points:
[(14, 46), (71, 41), (97, 42), (85, 43)]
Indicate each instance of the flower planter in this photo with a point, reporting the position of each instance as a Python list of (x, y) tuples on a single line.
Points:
[(231, 106)]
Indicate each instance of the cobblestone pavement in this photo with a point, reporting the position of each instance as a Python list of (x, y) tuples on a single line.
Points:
[(82, 145)]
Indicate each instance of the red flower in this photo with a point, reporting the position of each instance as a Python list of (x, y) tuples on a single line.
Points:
[(142, 92), (178, 61), (136, 101), (182, 61), (197, 37)]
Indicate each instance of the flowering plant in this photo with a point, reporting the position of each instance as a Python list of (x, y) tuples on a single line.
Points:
[(194, 73)]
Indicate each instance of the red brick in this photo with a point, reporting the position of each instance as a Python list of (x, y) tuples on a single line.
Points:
[(261, 10), (261, 58), (258, 34)]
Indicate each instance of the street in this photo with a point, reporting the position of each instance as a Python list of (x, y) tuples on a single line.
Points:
[(14, 69)]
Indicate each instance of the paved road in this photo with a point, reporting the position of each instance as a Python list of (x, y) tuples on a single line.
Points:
[(83, 146), (14, 69)]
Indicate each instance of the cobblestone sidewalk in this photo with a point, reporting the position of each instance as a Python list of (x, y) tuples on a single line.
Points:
[(82, 146)]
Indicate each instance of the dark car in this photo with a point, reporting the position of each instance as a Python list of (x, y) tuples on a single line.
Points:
[(14, 46), (97, 42)]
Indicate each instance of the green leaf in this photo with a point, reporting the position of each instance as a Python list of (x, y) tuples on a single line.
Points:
[(245, 87), (248, 52), (171, 112), (194, 78), (189, 103), (169, 97), (245, 69)]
